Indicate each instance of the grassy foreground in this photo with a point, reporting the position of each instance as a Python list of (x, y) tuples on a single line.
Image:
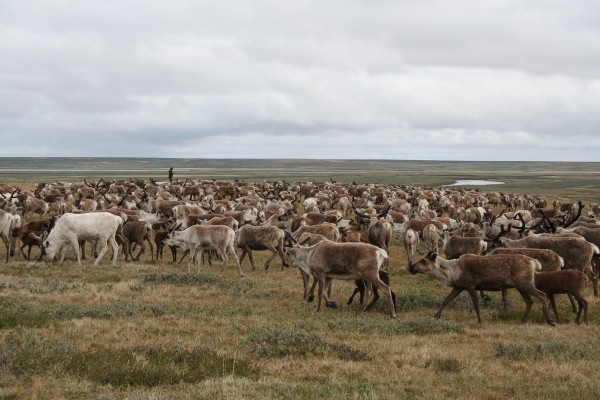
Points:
[(153, 331)]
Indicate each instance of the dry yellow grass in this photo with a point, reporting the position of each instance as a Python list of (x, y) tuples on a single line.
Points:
[(131, 331)]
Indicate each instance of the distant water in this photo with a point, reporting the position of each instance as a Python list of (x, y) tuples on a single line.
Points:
[(475, 182)]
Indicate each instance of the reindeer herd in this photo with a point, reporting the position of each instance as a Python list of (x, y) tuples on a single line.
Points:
[(328, 230)]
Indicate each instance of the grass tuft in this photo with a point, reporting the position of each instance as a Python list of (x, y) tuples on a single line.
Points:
[(413, 300), (144, 366), (14, 313), (386, 327), (557, 349), (334, 389), (26, 353), (198, 279), (348, 353), (279, 341), (448, 365)]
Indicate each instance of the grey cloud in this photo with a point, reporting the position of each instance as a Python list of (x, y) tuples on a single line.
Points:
[(338, 79)]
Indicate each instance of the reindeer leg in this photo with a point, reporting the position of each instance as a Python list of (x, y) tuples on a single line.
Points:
[(268, 262), (235, 258), (455, 292), (368, 295), (151, 248), (103, 251), (321, 281), (528, 303), (582, 305), (312, 290), (23, 252), (544, 299), (329, 303), (553, 304), (351, 299), (391, 297), (7, 245), (305, 281), (242, 256), (475, 300), (251, 258)]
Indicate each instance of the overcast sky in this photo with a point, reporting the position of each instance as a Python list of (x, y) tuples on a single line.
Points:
[(350, 79)]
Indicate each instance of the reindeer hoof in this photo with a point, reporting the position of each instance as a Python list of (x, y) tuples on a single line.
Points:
[(310, 298), (551, 322), (331, 304)]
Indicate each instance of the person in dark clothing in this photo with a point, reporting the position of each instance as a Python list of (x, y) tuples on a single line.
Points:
[(171, 174)]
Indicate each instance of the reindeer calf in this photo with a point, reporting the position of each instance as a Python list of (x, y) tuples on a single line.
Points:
[(567, 281)]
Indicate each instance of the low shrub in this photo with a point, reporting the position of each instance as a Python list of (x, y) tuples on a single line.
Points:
[(557, 349), (27, 353), (15, 313), (279, 341), (394, 327), (145, 366)]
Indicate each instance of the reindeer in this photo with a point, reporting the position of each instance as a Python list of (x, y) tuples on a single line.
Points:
[(473, 272), (327, 260)]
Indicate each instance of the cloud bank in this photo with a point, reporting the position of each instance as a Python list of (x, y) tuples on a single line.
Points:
[(462, 80)]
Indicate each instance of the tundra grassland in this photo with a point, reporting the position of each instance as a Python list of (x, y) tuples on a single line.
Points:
[(150, 330)]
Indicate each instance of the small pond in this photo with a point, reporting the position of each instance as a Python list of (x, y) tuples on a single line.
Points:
[(475, 182)]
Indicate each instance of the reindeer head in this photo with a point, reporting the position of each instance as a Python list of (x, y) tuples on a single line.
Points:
[(425, 265)]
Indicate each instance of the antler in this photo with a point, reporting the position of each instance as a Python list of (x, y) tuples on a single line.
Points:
[(384, 212), (548, 224), (519, 216), (503, 232), (173, 191), (289, 237), (576, 217), (127, 193), (360, 214), (15, 193), (495, 217), (176, 227)]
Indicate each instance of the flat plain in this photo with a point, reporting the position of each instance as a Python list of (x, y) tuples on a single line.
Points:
[(151, 330)]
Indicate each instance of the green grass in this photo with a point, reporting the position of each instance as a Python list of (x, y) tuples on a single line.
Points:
[(426, 326), (278, 341), (155, 366), (555, 349), (26, 354), (16, 312)]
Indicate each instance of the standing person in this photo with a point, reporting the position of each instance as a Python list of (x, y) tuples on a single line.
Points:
[(171, 174)]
